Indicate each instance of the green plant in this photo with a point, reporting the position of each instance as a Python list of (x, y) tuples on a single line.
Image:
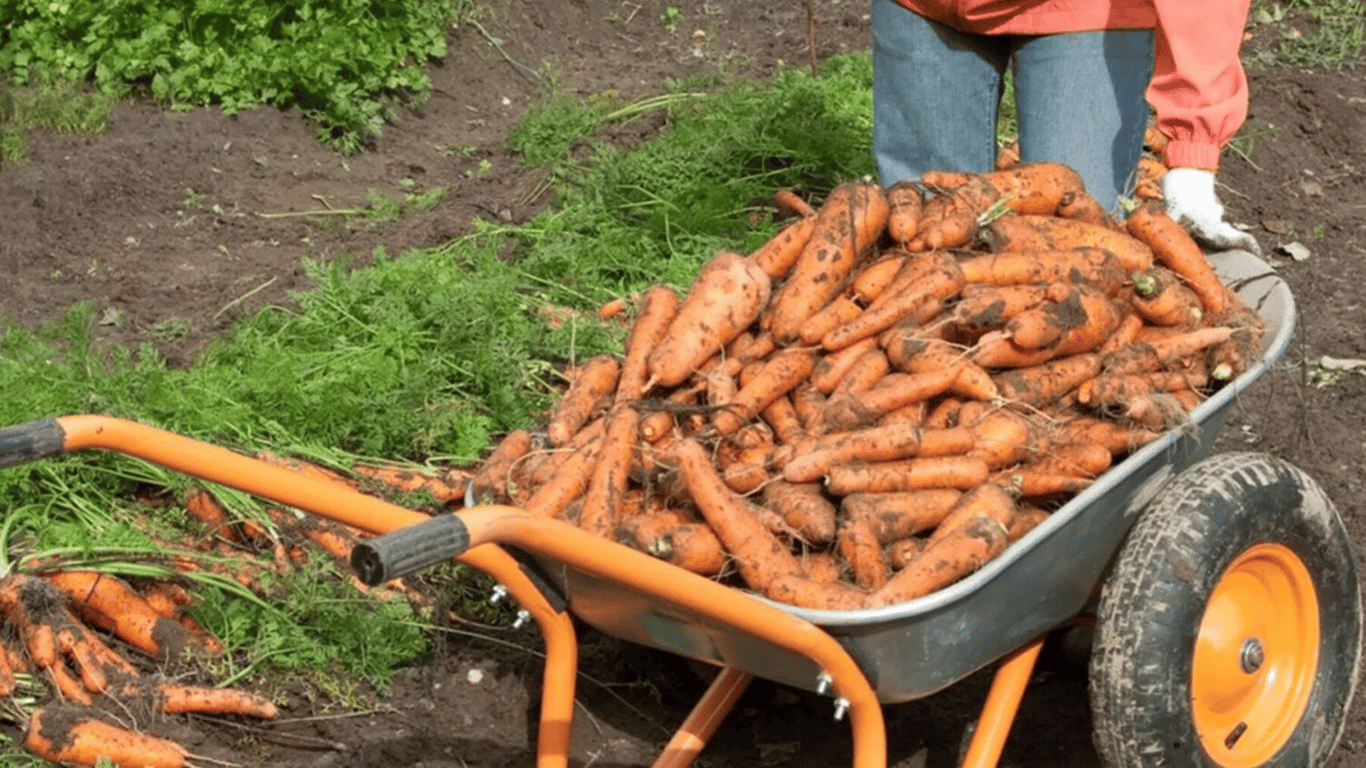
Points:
[(56, 104), (1328, 34), (346, 63)]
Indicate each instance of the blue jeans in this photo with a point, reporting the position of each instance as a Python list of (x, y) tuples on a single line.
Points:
[(1079, 99)]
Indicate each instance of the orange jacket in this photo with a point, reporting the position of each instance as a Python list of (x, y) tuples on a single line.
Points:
[(1199, 89)]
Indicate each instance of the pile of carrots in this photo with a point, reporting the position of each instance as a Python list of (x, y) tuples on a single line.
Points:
[(51, 614), (885, 395)]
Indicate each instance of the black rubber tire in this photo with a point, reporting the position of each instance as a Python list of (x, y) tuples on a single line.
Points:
[(1153, 601)]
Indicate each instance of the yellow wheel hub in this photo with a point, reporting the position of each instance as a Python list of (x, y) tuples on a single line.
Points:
[(1255, 657)]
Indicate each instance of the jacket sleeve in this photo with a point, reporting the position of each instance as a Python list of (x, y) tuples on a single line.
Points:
[(1199, 89)]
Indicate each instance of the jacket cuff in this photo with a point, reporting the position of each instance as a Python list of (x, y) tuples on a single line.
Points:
[(1190, 154)]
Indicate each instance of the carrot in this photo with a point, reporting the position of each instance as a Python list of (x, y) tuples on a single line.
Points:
[(984, 307), (1175, 249), (657, 309), (1154, 140), (804, 592), (1125, 334), (658, 417), (944, 562), (541, 472), (490, 481), (831, 368), (1118, 438), (726, 296), (777, 256), (905, 206), (804, 507), (1157, 353), (943, 413), (62, 735), (902, 552), (1032, 483), (1080, 206), (953, 222), (1162, 299), (988, 501), (1076, 265), (1076, 319), (602, 502), (1157, 411), (778, 376), (1231, 357), (939, 276), (109, 603), (759, 556), (971, 380), (789, 201), (864, 374), (872, 281), (645, 529), (1116, 389), (960, 472), (745, 470), (852, 218), (809, 403), (442, 485), (866, 408), (782, 418), (821, 567), (945, 181), (839, 311), (1036, 188), (861, 550), (596, 379), (896, 515), (1025, 233), (888, 442), (1001, 437), (1027, 518), (1038, 385), (692, 547), (205, 509), (569, 481), (720, 385), (174, 699)]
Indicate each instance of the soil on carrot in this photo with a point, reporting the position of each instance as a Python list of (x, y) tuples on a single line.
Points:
[(177, 224)]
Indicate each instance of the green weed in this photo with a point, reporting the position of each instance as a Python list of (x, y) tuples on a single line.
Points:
[(1326, 34)]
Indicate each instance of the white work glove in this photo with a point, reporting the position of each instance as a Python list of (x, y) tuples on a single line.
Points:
[(1189, 195)]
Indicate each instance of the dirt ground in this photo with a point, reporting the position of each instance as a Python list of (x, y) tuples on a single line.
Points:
[(171, 225)]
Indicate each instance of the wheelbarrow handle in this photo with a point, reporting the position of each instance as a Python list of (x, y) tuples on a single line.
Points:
[(411, 548), (27, 442)]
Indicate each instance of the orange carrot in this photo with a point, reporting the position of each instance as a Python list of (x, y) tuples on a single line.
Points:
[(960, 472), (205, 509), (988, 501), (1154, 140), (1007, 156), (860, 549), (1092, 265), (905, 203), (839, 311), (1080, 206), (726, 296), (1036, 188), (442, 485), (782, 418), (1157, 353), (62, 735), (569, 481), (953, 222), (1038, 385), (778, 376), (1026, 233), (1119, 439), (805, 592), (944, 562), (984, 307), (1076, 319), (602, 501), (872, 281), (903, 552), (864, 409), (971, 380), (759, 556), (109, 603), (787, 200), (852, 218), (1162, 299), (1032, 483), (1116, 389), (831, 368), (897, 515), (804, 507), (657, 309), (1027, 518), (174, 698), (1125, 334), (939, 277), (1001, 437), (821, 567), (1175, 249), (595, 380), (887, 442), (864, 374), (490, 481), (692, 547), (777, 256)]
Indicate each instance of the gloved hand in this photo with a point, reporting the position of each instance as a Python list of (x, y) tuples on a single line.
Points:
[(1189, 195)]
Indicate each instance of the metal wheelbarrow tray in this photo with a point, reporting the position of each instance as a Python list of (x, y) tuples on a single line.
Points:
[(864, 658)]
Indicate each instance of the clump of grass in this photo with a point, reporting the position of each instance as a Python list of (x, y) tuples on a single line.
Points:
[(56, 105), (1323, 34)]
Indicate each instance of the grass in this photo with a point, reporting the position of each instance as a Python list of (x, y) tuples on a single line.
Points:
[(59, 105), (1320, 34)]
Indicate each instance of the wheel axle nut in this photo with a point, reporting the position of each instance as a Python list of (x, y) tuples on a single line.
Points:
[(1252, 656)]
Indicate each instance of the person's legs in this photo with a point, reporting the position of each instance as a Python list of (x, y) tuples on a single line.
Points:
[(1080, 101), (935, 95)]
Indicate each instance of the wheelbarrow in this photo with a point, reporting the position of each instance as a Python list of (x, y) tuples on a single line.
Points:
[(1222, 588)]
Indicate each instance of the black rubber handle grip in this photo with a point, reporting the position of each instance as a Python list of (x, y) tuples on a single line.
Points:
[(26, 442), (409, 549)]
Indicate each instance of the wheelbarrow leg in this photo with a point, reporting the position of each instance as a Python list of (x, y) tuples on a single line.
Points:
[(1003, 701), (704, 719)]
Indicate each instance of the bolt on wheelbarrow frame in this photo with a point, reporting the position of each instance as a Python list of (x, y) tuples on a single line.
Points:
[(864, 658)]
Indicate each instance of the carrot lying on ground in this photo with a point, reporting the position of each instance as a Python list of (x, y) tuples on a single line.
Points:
[(62, 735), (727, 295), (853, 217), (176, 698), (789, 201), (442, 485), (109, 603)]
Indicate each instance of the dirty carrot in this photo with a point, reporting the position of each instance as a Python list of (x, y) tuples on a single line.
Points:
[(1025, 233), (987, 501), (789, 201), (866, 372), (831, 368), (851, 412), (872, 281), (853, 217), (861, 550), (596, 379), (1158, 352), (905, 205), (1162, 299), (782, 418), (804, 507), (657, 309), (777, 256), (109, 603), (1074, 265), (204, 508), (959, 472), (884, 442), (71, 738), (490, 481), (1175, 249), (1036, 386), (897, 515), (952, 220), (569, 481), (611, 475), (779, 375), (939, 277), (944, 562), (759, 556), (441, 485), (726, 296), (1036, 188), (839, 311), (983, 307)]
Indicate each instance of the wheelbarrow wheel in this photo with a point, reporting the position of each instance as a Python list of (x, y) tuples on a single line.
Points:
[(1229, 631)]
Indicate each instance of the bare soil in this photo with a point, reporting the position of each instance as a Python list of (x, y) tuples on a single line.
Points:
[(169, 223)]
